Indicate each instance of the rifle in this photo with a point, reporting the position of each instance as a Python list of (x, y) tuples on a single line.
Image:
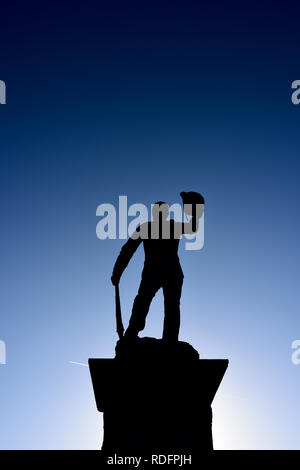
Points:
[(120, 327)]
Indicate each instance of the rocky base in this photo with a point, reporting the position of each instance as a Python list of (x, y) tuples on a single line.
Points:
[(145, 349)]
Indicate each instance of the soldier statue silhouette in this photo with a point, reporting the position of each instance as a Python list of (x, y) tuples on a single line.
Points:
[(162, 268)]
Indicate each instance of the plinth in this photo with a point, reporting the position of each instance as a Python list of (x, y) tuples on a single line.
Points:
[(156, 399)]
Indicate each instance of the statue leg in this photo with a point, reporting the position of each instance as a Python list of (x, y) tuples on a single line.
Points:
[(147, 290), (172, 292)]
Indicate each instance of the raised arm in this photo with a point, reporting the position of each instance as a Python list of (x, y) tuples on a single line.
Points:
[(190, 227)]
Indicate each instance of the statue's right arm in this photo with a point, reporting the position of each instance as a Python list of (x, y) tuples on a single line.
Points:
[(125, 255)]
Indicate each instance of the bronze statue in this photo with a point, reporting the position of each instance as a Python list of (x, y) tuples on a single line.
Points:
[(162, 268)]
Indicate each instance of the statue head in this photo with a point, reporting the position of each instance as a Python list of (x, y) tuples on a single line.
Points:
[(162, 208)]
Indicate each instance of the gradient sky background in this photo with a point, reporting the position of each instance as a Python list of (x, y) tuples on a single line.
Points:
[(148, 99)]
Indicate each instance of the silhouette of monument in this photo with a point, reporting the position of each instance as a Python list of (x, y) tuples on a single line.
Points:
[(162, 267), (156, 394)]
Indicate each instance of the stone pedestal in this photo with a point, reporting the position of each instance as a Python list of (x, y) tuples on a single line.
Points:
[(156, 398)]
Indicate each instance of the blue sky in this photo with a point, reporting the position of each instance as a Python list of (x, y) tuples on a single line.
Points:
[(148, 100)]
